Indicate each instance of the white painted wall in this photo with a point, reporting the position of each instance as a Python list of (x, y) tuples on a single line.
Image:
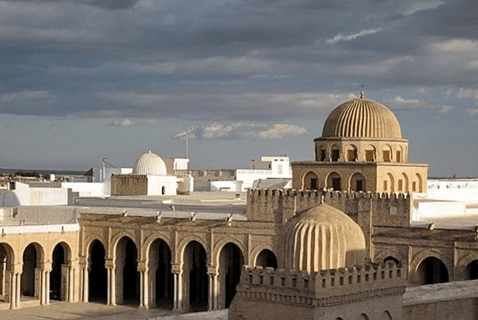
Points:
[(465, 190), (87, 189), (156, 184), (231, 186)]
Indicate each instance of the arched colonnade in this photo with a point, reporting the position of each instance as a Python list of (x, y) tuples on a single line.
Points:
[(191, 275)]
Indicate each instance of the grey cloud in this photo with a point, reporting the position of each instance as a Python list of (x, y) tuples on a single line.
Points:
[(250, 131)]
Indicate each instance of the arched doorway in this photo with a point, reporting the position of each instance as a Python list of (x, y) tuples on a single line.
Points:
[(160, 276), (6, 258), (127, 275), (334, 182), (195, 276), (311, 181), (230, 264), (357, 182), (471, 270), (97, 277), (432, 270), (30, 285), (266, 258), (58, 274)]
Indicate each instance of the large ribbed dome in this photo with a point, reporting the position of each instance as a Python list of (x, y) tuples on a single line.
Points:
[(149, 163), (323, 237), (362, 118)]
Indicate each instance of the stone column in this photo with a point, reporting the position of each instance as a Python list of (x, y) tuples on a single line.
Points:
[(213, 283), (19, 289), (178, 287), (44, 293), (143, 284), (111, 269), (12, 289), (84, 283)]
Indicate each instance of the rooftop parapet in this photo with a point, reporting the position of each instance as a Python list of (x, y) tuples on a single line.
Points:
[(279, 205), (321, 288)]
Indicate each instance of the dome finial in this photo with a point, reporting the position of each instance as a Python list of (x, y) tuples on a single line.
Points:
[(362, 92)]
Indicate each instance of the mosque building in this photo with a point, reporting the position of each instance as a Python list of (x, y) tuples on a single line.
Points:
[(356, 237)]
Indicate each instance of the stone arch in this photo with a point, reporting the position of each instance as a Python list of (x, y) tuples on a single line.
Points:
[(60, 271), (351, 152), (266, 258), (334, 153), (310, 181), (160, 273), (231, 260), (370, 153), (403, 183), (195, 277), (178, 257), (220, 244), (357, 182), (429, 268), (419, 183), (419, 257), (386, 316), (90, 239), (33, 257), (389, 184), (146, 247), (386, 155), (334, 181), (97, 274), (117, 238), (6, 265), (322, 155), (127, 275), (363, 316), (399, 154), (391, 259), (471, 270), (389, 254)]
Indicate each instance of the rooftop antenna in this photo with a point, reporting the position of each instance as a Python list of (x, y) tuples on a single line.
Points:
[(185, 134), (106, 163)]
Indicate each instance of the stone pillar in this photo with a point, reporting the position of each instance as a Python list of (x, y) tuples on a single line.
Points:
[(111, 270), (44, 280), (143, 284), (213, 299), (84, 283), (12, 290), (178, 287)]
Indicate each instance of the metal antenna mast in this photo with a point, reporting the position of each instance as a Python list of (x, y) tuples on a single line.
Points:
[(185, 134)]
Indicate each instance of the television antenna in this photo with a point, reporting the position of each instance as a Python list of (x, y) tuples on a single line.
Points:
[(185, 134)]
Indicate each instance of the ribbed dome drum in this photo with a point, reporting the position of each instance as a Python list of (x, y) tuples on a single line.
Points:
[(323, 237), (362, 118), (149, 163)]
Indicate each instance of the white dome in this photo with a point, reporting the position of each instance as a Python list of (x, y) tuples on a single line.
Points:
[(150, 164)]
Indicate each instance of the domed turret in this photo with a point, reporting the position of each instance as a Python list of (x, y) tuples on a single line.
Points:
[(362, 118), (323, 237), (150, 164)]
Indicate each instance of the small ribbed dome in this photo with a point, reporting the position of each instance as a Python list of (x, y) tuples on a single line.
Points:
[(362, 118), (149, 163), (323, 237)]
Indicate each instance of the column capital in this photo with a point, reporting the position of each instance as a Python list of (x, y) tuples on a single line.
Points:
[(110, 263), (177, 268), (212, 271), (143, 266)]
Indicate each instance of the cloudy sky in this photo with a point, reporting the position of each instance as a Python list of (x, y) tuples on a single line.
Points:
[(81, 80)]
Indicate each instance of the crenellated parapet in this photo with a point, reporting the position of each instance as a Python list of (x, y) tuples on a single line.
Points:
[(279, 205), (327, 287)]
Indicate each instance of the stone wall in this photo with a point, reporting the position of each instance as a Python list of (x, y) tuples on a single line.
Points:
[(129, 185), (345, 293)]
